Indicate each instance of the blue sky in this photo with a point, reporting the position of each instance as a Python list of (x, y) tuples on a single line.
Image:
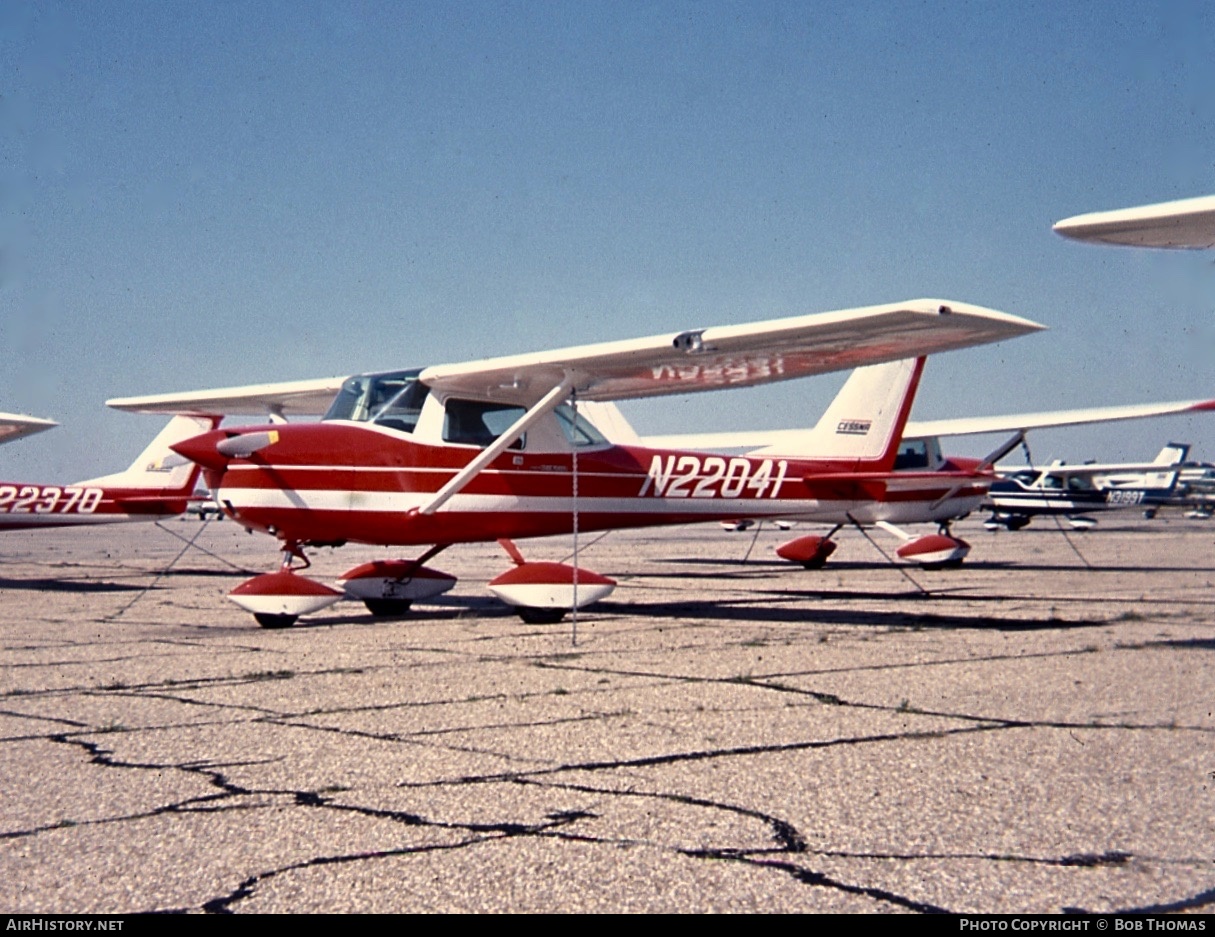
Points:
[(206, 194)]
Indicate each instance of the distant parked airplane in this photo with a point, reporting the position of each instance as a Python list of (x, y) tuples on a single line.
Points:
[(1075, 491)]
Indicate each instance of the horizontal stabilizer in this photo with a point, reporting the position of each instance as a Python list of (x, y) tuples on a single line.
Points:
[(790, 440), (864, 486)]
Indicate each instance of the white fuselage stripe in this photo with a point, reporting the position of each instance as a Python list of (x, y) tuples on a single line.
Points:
[(401, 503)]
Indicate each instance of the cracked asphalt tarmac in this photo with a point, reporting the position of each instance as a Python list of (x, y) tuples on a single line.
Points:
[(1022, 734)]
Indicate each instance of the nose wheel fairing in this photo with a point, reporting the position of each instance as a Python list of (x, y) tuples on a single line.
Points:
[(390, 587)]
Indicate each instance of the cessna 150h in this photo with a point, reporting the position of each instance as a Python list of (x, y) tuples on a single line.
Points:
[(497, 449), (158, 484)]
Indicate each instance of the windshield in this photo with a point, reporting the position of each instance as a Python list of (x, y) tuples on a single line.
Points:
[(393, 399)]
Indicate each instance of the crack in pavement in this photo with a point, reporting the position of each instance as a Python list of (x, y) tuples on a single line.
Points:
[(788, 855), (786, 837), (776, 846)]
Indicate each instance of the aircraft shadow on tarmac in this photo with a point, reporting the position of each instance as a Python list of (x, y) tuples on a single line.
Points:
[(455, 609), (765, 611), (144, 576), (69, 585), (1197, 644), (756, 566)]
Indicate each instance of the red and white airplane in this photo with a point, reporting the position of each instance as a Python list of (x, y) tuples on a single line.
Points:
[(157, 485), (497, 450)]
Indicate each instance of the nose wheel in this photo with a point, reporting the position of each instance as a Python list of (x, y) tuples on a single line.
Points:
[(388, 608), (539, 616), (274, 621)]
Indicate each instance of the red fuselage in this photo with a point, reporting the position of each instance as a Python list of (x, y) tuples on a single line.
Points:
[(338, 481), (25, 505)]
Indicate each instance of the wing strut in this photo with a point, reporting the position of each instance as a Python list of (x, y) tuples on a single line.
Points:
[(997, 454), (549, 402), (986, 465)]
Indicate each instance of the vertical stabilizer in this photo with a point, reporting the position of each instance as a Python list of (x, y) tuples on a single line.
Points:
[(864, 423), (1173, 455), (158, 468)]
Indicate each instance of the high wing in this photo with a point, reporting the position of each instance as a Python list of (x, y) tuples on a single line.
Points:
[(676, 363), (14, 426), (282, 399), (1188, 223), (733, 355), (920, 429), (1087, 468)]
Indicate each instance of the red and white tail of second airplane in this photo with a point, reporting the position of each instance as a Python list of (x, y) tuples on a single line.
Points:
[(158, 484)]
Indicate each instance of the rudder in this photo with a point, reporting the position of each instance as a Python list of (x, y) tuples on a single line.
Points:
[(865, 421)]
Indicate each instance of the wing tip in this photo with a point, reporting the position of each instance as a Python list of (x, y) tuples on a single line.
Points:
[(1014, 324), (1187, 223)]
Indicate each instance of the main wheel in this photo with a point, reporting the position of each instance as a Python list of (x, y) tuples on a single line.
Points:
[(387, 608), (948, 564), (267, 620), (540, 616)]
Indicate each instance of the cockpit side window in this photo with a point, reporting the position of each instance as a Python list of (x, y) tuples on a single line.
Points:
[(475, 423), (580, 432), (912, 454)]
